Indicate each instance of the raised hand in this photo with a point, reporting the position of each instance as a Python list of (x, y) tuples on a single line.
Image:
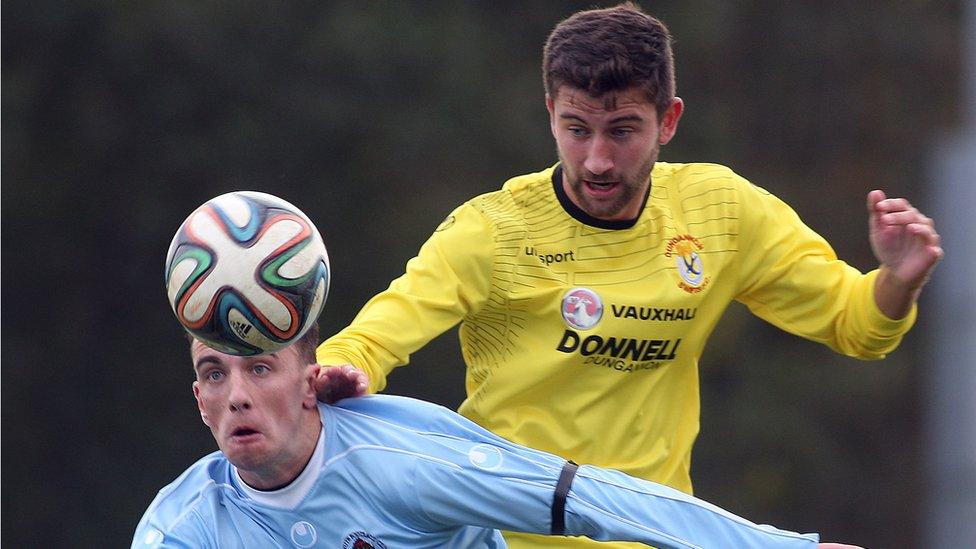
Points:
[(908, 247)]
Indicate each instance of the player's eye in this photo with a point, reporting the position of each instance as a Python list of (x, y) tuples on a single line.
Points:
[(260, 369), (577, 131), (621, 132), (215, 375)]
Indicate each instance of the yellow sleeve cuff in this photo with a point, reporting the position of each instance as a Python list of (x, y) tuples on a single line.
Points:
[(880, 324)]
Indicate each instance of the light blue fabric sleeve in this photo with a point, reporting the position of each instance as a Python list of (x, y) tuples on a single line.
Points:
[(609, 505), (171, 520), (200, 509), (163, 527), (473, 477)]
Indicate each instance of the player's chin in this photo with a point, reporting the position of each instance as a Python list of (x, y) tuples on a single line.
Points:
[(247, 458)]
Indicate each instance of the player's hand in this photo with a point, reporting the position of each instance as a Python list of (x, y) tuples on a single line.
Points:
[(837, 546), (335, 383), (908, 247), (903, 239)]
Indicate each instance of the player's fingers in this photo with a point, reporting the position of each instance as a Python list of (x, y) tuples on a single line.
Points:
[(925, 232), (323, 387), (894, 205), (874, 197), (903, 217), (326, 381), (335, 383), (360, 382)]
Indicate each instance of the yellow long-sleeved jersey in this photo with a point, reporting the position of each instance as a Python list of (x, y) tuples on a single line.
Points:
[(582, 337)]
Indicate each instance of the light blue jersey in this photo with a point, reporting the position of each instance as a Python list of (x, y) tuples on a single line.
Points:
[(392, 472)]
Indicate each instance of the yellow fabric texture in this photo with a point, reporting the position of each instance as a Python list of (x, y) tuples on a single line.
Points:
[(513, 267)]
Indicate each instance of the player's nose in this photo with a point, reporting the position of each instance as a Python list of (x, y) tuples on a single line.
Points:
[(239, 398), (599, 158)]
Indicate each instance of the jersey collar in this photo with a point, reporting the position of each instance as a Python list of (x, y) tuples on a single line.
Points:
[(578, 214)]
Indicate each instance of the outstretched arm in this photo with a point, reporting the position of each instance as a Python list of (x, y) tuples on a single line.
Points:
[(472, 477), (908, 247)]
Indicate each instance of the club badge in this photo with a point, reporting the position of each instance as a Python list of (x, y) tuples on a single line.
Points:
[(362, 540), (686, 251)]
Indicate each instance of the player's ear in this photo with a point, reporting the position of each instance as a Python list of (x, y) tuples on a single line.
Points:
[(196, 394), (309, 398), (551, 107), (669, 122)]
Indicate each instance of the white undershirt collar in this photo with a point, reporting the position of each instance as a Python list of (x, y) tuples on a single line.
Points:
[(292, 494)]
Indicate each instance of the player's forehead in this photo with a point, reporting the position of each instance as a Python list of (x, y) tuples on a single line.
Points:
[(627, 102), (201, 353)]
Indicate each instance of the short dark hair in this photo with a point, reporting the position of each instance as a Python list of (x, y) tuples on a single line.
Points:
[(609, 50), (305, 345)]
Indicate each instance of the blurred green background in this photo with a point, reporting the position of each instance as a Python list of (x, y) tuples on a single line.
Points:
[(377, 119)]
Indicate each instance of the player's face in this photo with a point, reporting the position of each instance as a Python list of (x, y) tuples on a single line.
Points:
[(607, 153), (258, 409)]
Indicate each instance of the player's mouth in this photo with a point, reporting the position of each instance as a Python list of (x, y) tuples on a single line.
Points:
[(244, 435), (600, 188)]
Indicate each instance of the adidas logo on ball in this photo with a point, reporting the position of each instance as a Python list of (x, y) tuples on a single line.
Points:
[(240, 328)]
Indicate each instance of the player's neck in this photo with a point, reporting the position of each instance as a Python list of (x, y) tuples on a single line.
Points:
[(290, 466)]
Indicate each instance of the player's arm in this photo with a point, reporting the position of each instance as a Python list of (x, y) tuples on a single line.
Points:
[(789, 276), (609, 505), (908, 248), (476, 478), (448, 279)]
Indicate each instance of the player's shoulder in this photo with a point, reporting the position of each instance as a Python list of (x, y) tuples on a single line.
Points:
[(394, 410), (530, 181), (203, 483), (517, 191), (694, 177), (407, 421)]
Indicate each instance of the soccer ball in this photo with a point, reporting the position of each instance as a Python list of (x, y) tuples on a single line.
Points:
[(247, 273)]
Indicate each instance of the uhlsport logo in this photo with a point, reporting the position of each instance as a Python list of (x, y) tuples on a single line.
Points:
[(485, 456), (686, 251), (362, 540), (446, 224), (303, 534), (582, 308), (153, 537)]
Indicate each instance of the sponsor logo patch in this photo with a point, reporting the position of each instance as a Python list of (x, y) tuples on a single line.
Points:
[(582, 308)]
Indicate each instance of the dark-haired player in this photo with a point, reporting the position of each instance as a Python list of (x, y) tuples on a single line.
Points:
[(586, 292)]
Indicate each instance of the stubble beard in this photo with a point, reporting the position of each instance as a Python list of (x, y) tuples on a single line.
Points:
[(632, 188)]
